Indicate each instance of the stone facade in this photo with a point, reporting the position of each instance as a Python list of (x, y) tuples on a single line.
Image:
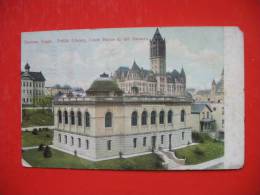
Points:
[(139, 81), (171, 130), (32, 86)]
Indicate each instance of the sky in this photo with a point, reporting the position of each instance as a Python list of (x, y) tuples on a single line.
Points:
[(77, 57)]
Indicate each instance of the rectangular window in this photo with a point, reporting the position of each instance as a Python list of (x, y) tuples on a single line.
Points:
[(87, 144), (109, 145), (182, 135), (59, 138), (72, 141), (65, 139), (161, 139), (79, 142), (144, 141), (134, 142)]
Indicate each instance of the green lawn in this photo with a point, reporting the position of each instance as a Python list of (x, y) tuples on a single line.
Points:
[(43, 137), (63, 160), (39, 117), (202, 152)]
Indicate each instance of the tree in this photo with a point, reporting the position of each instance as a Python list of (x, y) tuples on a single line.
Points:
[(47, 152)]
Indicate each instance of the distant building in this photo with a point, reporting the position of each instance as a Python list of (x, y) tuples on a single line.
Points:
[(33, 84), (139, 81), (202, 119), (53, 91), (213, 95)]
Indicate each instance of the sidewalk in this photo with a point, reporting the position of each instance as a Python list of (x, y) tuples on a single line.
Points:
[(37, 127), (25, 164), (206, 165)]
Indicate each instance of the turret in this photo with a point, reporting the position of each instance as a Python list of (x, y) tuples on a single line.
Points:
[(158, 53), (27, 67)]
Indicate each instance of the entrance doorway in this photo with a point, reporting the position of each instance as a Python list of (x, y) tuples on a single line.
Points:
[(153, 142)]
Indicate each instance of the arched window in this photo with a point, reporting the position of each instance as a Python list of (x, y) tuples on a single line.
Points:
[(87, 119), (134, 118), (72, 118), (170, 116), (108, 119), (66, 117), (59, 116), (182, 115), (153, 117), (79, 118), (144, 118), (162, 117)]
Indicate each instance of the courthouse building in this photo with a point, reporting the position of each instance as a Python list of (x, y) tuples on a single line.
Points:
[(122, 117), (33, 84)]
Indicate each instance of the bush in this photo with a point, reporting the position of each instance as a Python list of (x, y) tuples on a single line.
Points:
[(47, 152), (35, 131), (41, 147), (40, 129), (198, 151), (198, 137), (48, 135)]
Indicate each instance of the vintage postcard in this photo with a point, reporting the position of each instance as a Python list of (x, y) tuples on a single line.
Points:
[(155, 98)]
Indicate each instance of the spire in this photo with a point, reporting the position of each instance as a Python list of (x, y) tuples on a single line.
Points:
[(157, 34), (182, 72), (135, 66), (213, 82), (27, 67)]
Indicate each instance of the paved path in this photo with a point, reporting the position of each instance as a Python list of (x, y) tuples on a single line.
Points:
[(37, 127), (37, 108), (30, 147), (206, 165), (25, 163)]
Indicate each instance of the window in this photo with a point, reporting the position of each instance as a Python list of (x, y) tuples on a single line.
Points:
[(182, 135), (109, 145), (66, 117), (87, 119), (222, 123), (170, 116), (134, 142), (87, 144), (72, 118), (65, 139), (162, 139), (59, 116), (203, 114), (153, 117), (214, 108), (161, 117), (134, 118), (182, 115), (144, 141), (108, 119), (144, 118), (79, 118), (59, 137), (72, 141), (79, 142)]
